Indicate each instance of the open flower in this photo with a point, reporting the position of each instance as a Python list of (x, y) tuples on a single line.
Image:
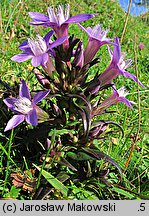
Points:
[(38, 50), (117, 96), (117, 66), (58, 19), (24, 107), (96, 38)]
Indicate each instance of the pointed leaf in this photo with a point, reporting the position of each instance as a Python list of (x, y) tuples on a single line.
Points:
[(84, 111), (64, 162), (100, 155), (54, 181), (71, 47), (115, 123), (62, 177), (83, 98), (80, 156), (123, 192), (61, 132), (86, 121)]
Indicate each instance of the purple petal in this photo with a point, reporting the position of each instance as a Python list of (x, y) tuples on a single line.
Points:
[(79, 18), (110, 52), (14, 122), (40, 95), (10, 102), (25, 47), (45, 24), (58, 42), (36, 60), (126, 101), (24, 91), (24, 43), (21, 57), (117, 51), (132, 76), (88, 30), (31, 118), (45, 58), (36, 16), (107, 41), (48, 36)]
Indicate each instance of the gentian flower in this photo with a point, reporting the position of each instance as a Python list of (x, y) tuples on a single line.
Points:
[(24, 107), (117, 66), (117, 96), (38, 50), (58, 20), (96, 38)]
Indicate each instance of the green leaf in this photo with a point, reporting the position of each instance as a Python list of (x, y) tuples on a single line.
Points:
[(90, 195), (64, 162), (62, 177), (53, 181), (61, 132), (116, 124), (14, 193), (123, 192), (83, 193), (80, 156)]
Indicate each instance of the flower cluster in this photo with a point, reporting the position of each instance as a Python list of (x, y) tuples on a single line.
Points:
[(62, 66), (71, 65)]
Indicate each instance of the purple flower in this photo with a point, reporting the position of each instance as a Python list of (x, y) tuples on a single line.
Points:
[(97, 38), (58, 19), (38, 50), (141, 46), (117, 66), (117, 96), (24, 107)]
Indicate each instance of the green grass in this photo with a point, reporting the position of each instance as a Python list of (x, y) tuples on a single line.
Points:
[(14, 28)]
